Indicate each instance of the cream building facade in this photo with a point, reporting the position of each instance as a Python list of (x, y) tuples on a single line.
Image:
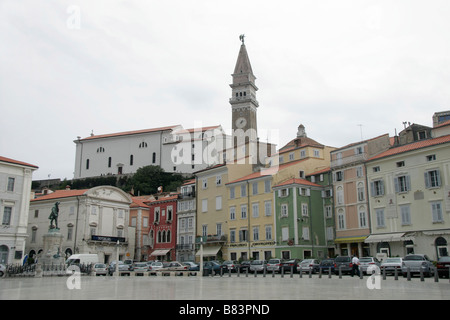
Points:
[(15, 194), (409, 199), (90, 220)]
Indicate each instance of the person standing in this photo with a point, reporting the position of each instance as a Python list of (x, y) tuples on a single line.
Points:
[(355, 266)]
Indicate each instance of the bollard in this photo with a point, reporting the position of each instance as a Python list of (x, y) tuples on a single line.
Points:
[(282, 272), (301, 272), (264, 271), (421, 275), (255, 273), (310, 272), (340, 272), (329, 273), (436, 275), (320, 273), (361, 273), (221, 271), (229, 273), (246, 272), (395, 273), (408, 273), (238, 272), (384, 273), (273, 273), (292, 271)]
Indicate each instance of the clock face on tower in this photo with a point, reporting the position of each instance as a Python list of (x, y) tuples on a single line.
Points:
[(241, 122)]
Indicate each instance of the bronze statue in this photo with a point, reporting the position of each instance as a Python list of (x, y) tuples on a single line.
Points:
[(54, 215)]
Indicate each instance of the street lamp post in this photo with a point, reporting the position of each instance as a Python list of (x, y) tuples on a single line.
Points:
[(201, 256)]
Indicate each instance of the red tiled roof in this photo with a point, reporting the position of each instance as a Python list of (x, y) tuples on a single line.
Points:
[(297, 181), (266, 172), (4, 159), (125, 133), (443, 124), (319, 171), (61, 194), (300, 143), (412, 146), (139, 202)]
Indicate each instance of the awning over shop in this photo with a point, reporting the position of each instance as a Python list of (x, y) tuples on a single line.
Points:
[(160, 252), (388, 237), (209, 251), (350, 239)]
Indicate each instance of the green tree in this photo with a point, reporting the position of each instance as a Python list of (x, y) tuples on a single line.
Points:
[(147, 179)]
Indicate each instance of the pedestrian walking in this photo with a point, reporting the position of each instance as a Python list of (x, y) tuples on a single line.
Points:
[(355, 266)]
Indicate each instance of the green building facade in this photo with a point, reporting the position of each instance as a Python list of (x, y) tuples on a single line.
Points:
[(304, 219)]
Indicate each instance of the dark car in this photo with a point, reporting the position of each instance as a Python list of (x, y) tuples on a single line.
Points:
[(344, 263), (326, 264), (288, 265), (245, 265), (230, 265), (211, 267), (443, 266)]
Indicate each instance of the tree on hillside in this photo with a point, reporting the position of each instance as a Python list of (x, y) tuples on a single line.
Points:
[(147, 179)]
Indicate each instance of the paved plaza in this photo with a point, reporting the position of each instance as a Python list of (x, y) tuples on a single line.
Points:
[(221, 288)]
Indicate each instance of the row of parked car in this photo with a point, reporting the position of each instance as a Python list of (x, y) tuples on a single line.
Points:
[(414, 262)]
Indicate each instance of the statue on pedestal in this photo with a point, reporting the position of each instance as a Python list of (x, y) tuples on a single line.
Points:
[(54, 216)]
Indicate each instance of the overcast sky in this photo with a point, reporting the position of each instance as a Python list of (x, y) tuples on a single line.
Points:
[(72, 67)]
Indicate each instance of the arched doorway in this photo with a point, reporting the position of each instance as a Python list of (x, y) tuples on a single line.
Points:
[(4, 251), (441, 247)]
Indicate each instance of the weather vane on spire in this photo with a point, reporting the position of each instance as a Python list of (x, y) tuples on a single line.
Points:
[(241, 37)]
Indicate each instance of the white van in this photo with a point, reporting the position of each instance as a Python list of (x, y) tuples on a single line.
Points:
[(84, 258)]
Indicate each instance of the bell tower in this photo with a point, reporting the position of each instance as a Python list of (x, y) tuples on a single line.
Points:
[(243, 96)]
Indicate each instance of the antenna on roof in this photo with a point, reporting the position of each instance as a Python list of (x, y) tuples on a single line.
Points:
[(360, 129)]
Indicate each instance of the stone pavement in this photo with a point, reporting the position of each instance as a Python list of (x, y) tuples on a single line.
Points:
[(220, 288)]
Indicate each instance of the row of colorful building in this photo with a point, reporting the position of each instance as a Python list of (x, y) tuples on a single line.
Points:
[(386, 196)]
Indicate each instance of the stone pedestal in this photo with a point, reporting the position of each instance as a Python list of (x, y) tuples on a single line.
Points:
[(52, 253)]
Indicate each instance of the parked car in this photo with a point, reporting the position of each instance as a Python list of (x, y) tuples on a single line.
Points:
[(2, 270), (307, 265), (344, 263), (288, 265), (442, 266), (258, 265), (416, 263), (122, 267), (366, 262), (230, 265), (100, 269), (191, 265), (244, 265), (211, 267), (274, 265), (391, 264), (156, 265), (326, 264), (140, 267), (175, 266)]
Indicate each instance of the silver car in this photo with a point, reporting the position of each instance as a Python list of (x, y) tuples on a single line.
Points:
[(392, 264), (274, 265), (257, 265), (366, 262), (416, 263), (100, 269)]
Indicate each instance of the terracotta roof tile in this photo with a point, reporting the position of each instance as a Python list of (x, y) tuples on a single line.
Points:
[(61, 194), (4, 159), (297, 181), (412, 146), (125, 133)]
